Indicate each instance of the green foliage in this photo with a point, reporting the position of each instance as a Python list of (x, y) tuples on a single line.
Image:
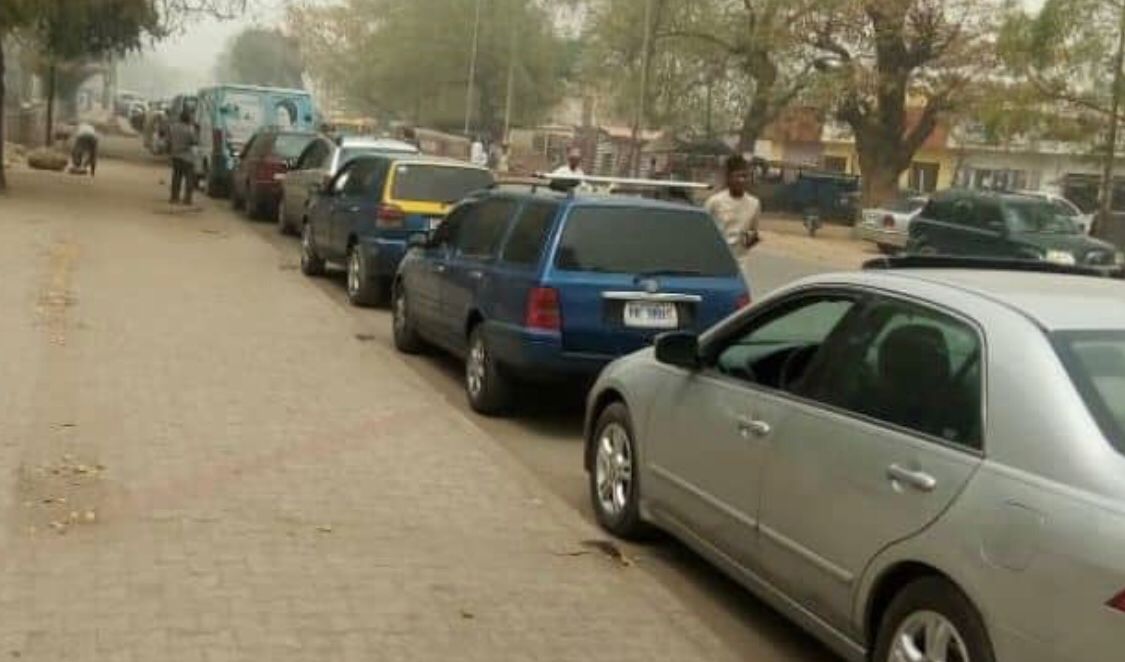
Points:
[(70, 29), (409, 59), (260, 56)]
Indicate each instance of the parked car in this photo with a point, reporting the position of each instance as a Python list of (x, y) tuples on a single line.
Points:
[(320, 161), (256, 180), (229, 115), (365, 215), (905, 462), (1064, 207), (540, 286), (1005, 225), (888, 227)]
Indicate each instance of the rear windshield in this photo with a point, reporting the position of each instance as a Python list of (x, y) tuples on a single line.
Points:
[(290, 145), (635, 240), (349, 153), (1096, 362), (437, 183)]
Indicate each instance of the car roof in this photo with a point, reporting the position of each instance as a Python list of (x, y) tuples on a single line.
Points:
[(582, 199), (369, 142), (998, 196), (1053, 301)]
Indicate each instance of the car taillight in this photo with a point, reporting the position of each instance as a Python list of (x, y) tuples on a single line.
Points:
[(1118, 602), (743, 301), (389, 217), (543, 309), (888, 221)]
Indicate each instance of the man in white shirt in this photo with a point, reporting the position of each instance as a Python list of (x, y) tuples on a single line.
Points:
[(736, 211), (573, 165), (477, 154), (84, 149)]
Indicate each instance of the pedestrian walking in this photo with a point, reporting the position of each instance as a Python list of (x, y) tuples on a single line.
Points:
[(182, 140), (84, 150), (736, 211)]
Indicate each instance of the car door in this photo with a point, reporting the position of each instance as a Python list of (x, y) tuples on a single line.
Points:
[(355, 204), (244, 166), (323, 209), (304, 181), (424, 281), (879, 439), (712, 429), (468, 278)]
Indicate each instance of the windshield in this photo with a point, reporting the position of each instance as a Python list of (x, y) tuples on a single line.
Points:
[(290, 145), (1037, 217), (1096, 363), (426, 182), (636, 240)]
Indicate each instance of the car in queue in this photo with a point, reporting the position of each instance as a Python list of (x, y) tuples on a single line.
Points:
[(888, 226), (257, 179), (365, 215), (1006, 225), (315, 166), (544, 286), (1064, 207), (903, 461)]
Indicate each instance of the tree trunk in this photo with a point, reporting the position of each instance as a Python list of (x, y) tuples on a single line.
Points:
[(52, 75), (3, 109), (879, 168)]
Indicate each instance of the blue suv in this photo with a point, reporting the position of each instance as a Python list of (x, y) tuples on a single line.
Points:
[(548, 286)]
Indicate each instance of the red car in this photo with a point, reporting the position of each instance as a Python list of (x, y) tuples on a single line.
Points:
[(262, 164)]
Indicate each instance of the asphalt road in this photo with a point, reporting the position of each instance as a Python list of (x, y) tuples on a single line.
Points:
[(546, 437)]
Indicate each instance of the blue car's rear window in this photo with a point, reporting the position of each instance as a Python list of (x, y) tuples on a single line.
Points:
[(643, 240)]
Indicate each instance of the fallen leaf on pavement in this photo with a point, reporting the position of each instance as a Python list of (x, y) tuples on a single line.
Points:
[(324, 528), (364, 337), (609, 549), (467, 615)]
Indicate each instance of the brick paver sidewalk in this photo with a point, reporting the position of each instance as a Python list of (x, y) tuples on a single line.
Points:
[(203, 463)]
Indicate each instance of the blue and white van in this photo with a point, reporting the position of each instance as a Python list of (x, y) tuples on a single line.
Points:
[(229, 115)]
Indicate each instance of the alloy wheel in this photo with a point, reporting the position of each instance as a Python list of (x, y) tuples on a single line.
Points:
[(613, 469), (927, 636), (353, 272), (475, 367), (399, 314)]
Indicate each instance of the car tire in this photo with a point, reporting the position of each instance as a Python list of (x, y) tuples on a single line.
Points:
[(363, 289), (489, 390), (311, 262), (931, 610), (407, 339), (614, 485)]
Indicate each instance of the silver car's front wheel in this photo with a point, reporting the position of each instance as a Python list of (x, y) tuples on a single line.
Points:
[(927, 636), (613, 469)]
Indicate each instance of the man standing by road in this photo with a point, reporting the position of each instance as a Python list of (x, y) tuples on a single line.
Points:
[(181, 145), (736, 211), (573, 165)]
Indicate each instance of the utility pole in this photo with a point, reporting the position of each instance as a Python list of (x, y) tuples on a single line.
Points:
[(472, 71), (511, 76), (1106, 209), (638, 118)]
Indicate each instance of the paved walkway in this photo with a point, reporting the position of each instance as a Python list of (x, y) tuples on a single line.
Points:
[(202, 462)]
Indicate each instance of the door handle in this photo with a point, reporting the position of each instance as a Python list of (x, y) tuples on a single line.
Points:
[(919, 480), (749, 426)]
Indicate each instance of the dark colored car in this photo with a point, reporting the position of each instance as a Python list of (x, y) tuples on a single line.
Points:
[(262, 164), (1005, 225), (367, 212), (548, 287)]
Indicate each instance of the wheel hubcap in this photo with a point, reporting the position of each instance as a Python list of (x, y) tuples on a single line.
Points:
[(306, 244), (475, 367), (613, 469), (927, 636), (353, 272), (400, 312)]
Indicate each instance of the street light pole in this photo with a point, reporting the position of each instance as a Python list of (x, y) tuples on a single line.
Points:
[(638, 118), (472, 71)]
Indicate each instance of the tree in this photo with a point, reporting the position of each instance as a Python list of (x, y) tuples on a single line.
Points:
[(13, 15), (739, 60), (262, 56), (393, 59), (886, 54)]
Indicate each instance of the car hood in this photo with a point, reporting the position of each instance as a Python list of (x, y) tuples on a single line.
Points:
[(1076, 244)]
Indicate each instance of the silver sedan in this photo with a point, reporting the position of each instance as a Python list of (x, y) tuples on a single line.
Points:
[(913, 464)]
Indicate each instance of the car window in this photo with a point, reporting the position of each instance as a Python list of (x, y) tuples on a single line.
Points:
[(988, 215), (361, 177), (1037, 217), (1096, 363), (1063, 208), (314, 156), (289, 145), (480, 232), (525, 245), (427, 182), (778, 349), (911, 366), (447, 232), (636, 240), (342, 181)]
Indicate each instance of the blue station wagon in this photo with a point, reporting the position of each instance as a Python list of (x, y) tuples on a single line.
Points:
[(547, 286)]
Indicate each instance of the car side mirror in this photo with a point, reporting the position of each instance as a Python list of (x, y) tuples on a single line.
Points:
[(419, 240), (679, 349)]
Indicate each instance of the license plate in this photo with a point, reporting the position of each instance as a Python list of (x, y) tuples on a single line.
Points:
[(651, 315), (435, 222)]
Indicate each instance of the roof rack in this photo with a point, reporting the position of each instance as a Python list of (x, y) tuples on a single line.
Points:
[(990, 264), (532, 182)]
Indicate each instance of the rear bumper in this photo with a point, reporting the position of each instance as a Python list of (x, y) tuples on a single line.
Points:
[(539, 355), (881, 236), (383, 255)]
